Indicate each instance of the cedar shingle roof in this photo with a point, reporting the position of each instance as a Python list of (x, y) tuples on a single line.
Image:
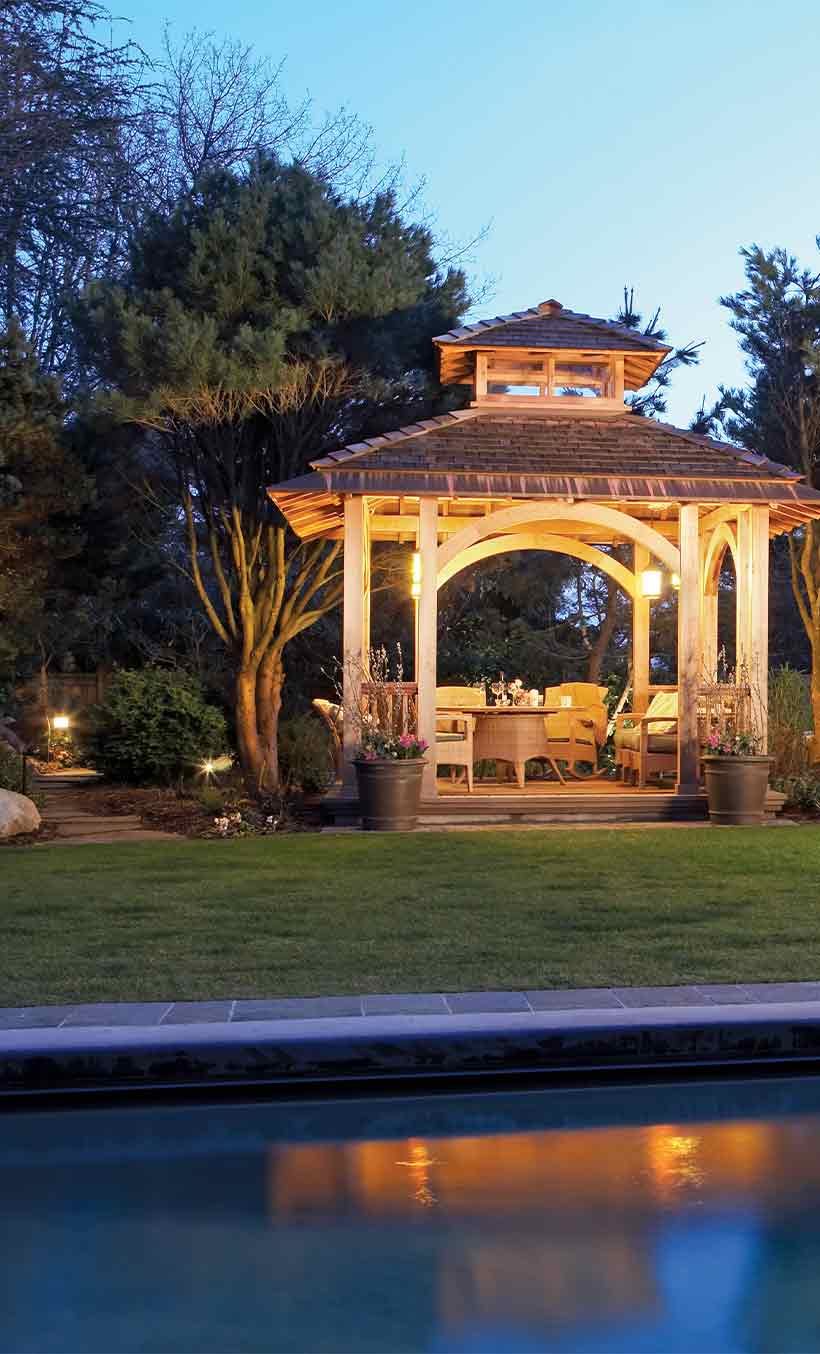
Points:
[(551, 326), (481, 453), (482, 441)]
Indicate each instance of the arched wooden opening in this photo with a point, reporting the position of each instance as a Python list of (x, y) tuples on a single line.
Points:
[(722, 542), (564, 545), (584, 514)]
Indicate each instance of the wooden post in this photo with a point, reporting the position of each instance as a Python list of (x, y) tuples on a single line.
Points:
[(427, 638), (356, 626), (759, 619), (481, 376), (688, 649), (618, 391), (743, 655), (640, 635)]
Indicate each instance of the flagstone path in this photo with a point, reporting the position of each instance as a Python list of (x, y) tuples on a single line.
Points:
[(77, 825)]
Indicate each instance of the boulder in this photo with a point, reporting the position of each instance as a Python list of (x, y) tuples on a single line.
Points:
[(18, 814)]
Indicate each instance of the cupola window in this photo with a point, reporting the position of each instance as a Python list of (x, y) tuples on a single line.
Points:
[(507, 377)]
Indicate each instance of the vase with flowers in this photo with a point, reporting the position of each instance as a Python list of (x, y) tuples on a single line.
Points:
[(389, 757), (737, 778)]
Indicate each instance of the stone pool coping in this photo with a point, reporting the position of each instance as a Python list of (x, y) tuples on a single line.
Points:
[(293, 1041)]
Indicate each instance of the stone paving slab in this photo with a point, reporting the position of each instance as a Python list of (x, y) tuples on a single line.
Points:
[(444, 1004), (77, 825), (280, 1054)]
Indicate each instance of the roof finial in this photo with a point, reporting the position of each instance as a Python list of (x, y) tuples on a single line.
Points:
[(547, 307)]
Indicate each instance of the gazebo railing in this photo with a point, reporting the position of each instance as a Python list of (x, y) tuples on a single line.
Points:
[(725, 707), (393, 705)]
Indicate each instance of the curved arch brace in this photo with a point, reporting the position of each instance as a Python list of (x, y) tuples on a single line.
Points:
[(589, 514), (721, 540), (531, 540)]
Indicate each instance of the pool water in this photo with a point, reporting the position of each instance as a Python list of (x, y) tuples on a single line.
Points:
[(676, 1217)]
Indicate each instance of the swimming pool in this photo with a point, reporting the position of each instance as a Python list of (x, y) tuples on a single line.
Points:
[(668, 1217)]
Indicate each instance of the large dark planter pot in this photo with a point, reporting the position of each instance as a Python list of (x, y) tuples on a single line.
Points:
[(736, 789), (389, 793)]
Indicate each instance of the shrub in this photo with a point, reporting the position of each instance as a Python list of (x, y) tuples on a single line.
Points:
[(11, 775), (305, 755), (11, 768), (789, 721), (802, 792), (153, 727), (212, 798)]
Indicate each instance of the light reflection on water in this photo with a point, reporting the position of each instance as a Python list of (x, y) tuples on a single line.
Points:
[(656, 1236)]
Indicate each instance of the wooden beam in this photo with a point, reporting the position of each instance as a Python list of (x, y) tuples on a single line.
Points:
[(355, 626), (718, 515), (688, 650), (759, 619), (427, 639), (481, 376), (743, 566), (640, 635), (618, 392)]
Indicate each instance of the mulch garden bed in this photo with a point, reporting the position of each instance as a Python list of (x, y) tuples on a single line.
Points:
[(167, 810)]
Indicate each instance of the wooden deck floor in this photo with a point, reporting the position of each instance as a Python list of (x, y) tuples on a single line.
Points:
[(540, 801)]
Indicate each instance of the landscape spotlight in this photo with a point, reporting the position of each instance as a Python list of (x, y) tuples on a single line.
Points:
[(61, 722)]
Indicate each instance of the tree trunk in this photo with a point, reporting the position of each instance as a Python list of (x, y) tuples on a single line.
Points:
[(251, 756), (806, 589), (814, 744), (269, 683), (602, 642)]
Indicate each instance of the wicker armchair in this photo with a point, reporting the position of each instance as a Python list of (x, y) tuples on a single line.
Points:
[(455, 728), (648, 744)]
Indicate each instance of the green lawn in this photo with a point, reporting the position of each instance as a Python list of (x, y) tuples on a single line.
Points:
[(308, 914)]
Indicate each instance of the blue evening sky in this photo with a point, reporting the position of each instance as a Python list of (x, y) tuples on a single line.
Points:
[(602, 143)]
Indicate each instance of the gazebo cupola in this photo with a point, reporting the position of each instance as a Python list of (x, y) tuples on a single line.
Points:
[(550, 360)]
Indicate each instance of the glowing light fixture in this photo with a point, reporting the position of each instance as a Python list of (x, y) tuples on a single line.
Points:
[(651, 583), (61, 722), (675, 580), (415, 575), (211, 766)]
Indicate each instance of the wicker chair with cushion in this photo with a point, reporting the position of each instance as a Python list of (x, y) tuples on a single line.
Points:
[(588, 697), (570, 739), (648, 744), (455, 728)]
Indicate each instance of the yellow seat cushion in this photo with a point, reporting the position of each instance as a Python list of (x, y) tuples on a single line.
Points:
[(664, 703), (656, 742)]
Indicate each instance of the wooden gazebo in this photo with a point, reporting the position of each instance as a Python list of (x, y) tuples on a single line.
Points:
[(548, 457)]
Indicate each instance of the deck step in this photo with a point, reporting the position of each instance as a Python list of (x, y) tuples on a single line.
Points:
[(511, 809)]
